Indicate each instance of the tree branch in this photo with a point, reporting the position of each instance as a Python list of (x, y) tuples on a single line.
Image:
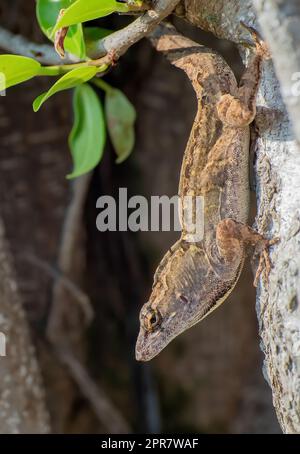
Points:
[(119, 42), (43, 53), (71, 240), (115, 44), (22, 400), (106, 412)]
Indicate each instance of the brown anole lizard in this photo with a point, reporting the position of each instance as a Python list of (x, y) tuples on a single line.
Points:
[(193, 279)]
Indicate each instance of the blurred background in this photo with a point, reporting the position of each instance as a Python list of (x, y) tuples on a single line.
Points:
[(84, 318)]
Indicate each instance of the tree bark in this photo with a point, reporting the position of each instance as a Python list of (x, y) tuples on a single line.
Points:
[(277, 171), (22, 406), (280, 23)]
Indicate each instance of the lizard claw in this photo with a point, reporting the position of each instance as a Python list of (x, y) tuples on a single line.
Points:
[(262, 48), (264, 265)]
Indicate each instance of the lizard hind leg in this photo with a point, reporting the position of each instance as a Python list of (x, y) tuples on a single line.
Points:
[(229, 245), (232, 237)]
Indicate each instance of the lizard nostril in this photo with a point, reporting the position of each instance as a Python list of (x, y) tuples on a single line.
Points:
[(183, 299)]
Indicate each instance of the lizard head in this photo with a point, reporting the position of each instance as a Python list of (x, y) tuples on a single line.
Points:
[(170, 310), (186, 289)]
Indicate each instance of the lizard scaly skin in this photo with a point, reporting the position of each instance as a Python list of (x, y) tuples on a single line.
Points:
[(194, 278)]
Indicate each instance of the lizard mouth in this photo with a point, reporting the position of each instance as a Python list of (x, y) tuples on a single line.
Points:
[(145, 354), (146, 348), (150, 344)]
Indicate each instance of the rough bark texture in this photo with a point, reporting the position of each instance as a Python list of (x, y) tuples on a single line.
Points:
[(277, 171), (280, 21), (280, 199), (22, 406)]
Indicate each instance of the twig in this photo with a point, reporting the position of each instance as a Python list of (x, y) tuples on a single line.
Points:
[(115, 44), (70, 243), (105, 411), (73, 222), (17, 44), (119, 42), (81, 297)]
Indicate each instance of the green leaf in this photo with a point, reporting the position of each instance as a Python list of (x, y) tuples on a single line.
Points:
[(85, 10), (74, 42), (70, 80), (87, 138), (120, 116), (92, 35), (95, 33), (15, 69), (47, 12)]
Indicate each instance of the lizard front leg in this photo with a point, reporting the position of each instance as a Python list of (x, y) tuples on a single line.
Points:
[(239, 109), (233, 237)]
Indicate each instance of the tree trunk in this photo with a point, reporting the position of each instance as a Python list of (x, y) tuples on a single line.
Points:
[(277, 171), (22, 406)]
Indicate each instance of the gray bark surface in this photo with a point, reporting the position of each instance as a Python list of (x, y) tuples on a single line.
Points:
[(277, 171), (22, 407), (280, 22)]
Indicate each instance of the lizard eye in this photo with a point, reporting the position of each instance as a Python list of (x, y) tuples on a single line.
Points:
[(152, 319)]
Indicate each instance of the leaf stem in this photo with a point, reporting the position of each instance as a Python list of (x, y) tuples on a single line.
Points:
[(50, 71), (100, 83), (63, 69)]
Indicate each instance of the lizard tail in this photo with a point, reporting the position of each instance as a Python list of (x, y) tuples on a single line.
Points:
[(176, 47), (182, 52)]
